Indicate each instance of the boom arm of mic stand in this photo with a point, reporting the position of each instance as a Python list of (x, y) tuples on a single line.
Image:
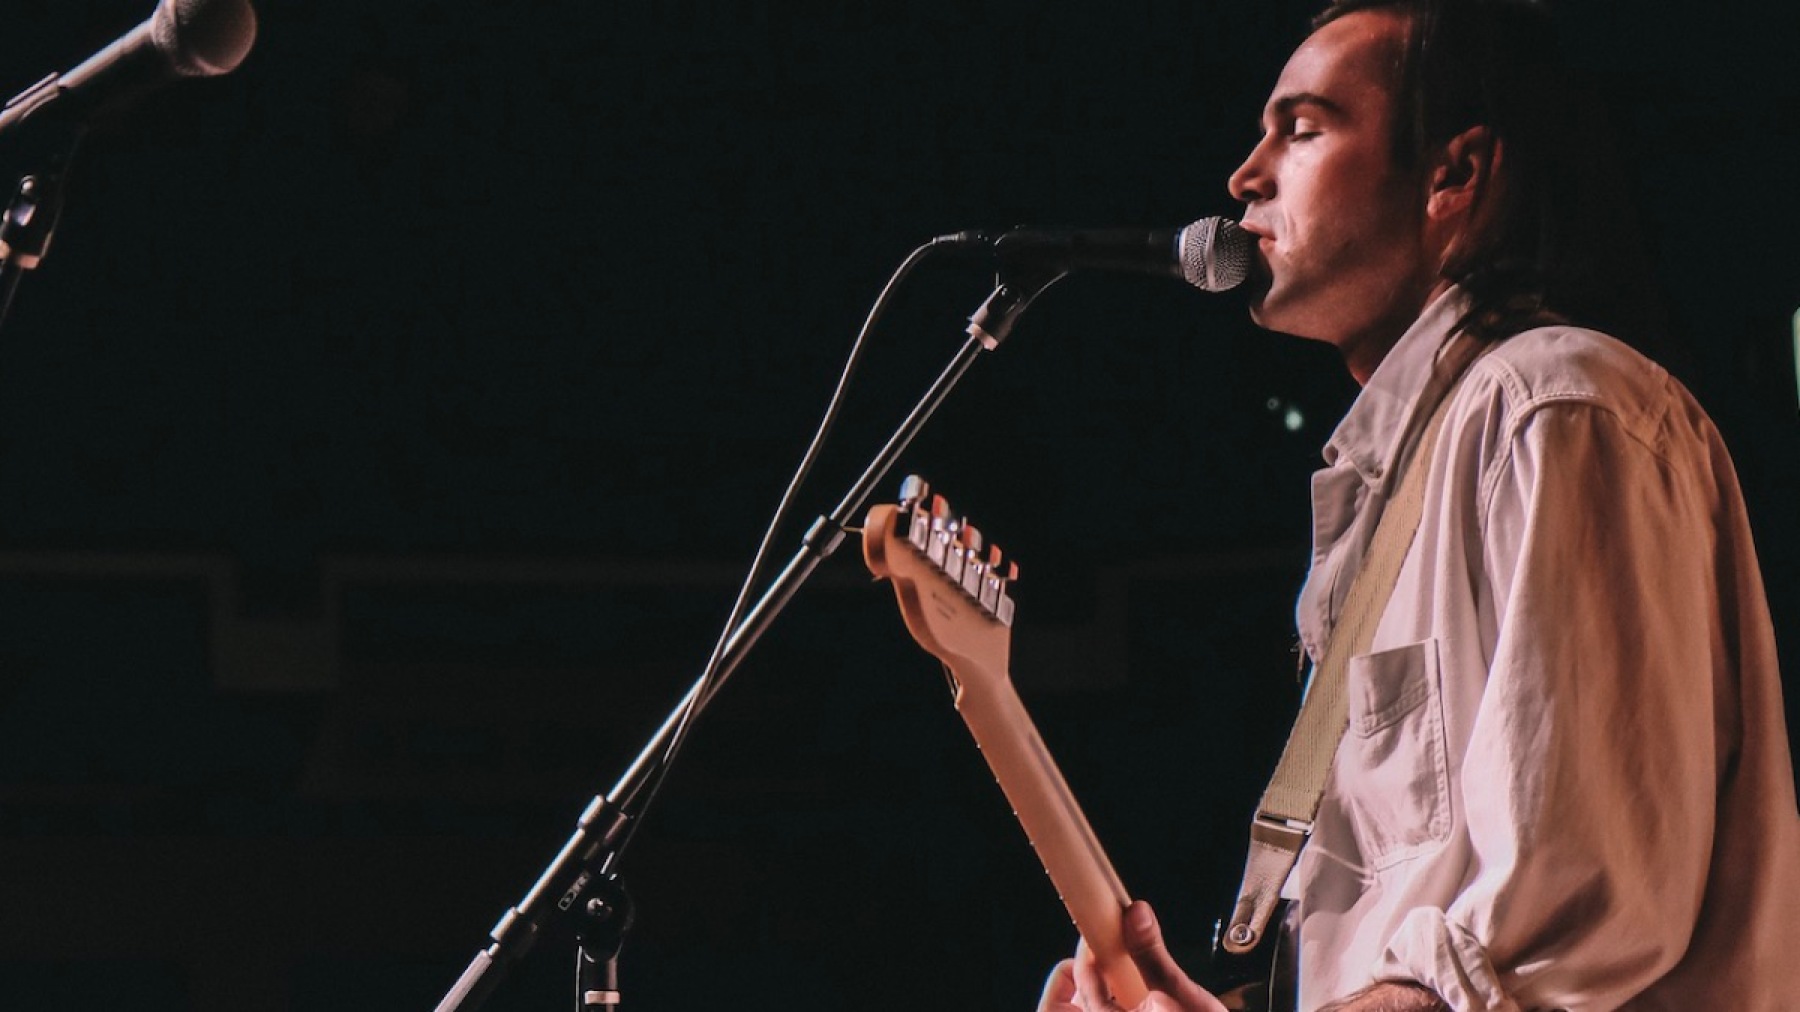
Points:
[(597, 841)]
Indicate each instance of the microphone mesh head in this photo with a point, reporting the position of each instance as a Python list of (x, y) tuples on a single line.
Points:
[(203, 38), (1215, 254)]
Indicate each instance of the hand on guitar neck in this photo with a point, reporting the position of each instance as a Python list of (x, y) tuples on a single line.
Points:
[(954, 593), (1075, 985)]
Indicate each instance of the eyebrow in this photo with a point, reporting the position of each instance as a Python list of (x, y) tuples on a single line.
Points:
[(1286, 104)]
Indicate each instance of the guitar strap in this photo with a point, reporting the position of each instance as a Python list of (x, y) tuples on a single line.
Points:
[(1284, 818)]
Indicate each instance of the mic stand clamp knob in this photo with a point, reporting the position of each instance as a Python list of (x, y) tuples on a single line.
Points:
[(605, 914)]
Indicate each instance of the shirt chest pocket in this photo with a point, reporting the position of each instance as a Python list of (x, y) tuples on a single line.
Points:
[(1392, 774)]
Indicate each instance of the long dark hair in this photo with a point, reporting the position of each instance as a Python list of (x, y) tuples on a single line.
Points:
[(1558, 235)]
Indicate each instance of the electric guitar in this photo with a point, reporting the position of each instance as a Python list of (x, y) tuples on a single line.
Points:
[(954, 593), (954, 596)]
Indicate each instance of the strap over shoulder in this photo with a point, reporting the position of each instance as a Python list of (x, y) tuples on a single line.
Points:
[(1284, 818)]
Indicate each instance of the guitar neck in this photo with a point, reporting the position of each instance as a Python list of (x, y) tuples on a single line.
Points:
[(1053, 821), (953, 594)]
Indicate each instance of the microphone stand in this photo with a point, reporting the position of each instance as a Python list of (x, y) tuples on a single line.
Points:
[(582, 878), (31, 214)]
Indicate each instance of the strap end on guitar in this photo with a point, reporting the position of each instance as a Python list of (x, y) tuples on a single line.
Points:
[(1274, 849)]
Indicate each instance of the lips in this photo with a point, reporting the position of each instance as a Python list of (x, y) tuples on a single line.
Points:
[(1265, 236), (1265, 246), (1256, 227)]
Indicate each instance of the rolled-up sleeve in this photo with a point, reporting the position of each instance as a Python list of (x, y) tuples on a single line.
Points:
[(1586, 766)]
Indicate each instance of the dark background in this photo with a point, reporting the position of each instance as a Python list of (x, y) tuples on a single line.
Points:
[(383, 438)]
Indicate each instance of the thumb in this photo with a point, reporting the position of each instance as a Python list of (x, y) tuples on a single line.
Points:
[(1143, 939)]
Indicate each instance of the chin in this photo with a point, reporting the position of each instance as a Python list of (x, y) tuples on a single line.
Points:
[(1290, 325), (1256, 288), (1270, 312)]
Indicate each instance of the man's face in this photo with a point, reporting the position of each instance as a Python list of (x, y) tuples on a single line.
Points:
[(1342, 255)]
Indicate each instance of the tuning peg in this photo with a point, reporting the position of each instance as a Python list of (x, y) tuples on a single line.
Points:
[(1003, 602), (1003, 606), (918, 530), (968, 573), (954, 564), (913, 489), (974, 570), (957, 559), (918, 515), (993, 590), (943, 529), (969, 538), (987, 592)]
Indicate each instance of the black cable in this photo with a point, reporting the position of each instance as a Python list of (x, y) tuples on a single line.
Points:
[(640, 803)]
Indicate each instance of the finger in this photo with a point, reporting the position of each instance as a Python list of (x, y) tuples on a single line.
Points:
[(1144, 941), (1059, 988), (1092, 992)]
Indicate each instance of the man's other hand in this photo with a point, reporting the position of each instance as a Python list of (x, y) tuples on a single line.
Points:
[(1075, 984)]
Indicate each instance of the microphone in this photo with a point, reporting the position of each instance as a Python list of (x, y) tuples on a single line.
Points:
[(1212, 254), (183, 38)]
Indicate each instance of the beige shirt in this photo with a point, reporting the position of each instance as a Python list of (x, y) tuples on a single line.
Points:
[(1566, 781)]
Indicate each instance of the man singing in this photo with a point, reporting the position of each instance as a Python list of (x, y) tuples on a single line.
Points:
[(1565, 781)]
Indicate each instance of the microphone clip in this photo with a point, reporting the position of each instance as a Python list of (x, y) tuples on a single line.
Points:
[(1018, 285)]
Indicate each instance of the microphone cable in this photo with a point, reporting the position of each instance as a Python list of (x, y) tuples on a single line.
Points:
[(708, 685)]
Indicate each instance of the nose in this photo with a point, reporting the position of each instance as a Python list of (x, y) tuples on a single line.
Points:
[(1252, 181)]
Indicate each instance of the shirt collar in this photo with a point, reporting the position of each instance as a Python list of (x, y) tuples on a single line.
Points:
[(1375, 429)]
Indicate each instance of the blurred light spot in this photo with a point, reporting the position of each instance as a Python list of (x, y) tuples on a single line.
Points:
[(1292, 418)]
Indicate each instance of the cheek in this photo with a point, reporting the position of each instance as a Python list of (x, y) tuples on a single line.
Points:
[(1311, 196), (1349, 206)]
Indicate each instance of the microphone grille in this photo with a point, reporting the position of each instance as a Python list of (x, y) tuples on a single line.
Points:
[(1215, 254), (203, 38)]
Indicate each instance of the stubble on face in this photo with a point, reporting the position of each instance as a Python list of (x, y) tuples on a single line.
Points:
[(1342, 256)]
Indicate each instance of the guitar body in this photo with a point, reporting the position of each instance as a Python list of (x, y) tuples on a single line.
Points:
[(1261, 980)]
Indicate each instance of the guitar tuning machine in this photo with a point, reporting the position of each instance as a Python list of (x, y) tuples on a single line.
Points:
[(974, 570), (969, 538), (993, 590), (963, 559), (987, 591), (913, 490), (915, 512), (957, 548), (954, 564), (944, 527)]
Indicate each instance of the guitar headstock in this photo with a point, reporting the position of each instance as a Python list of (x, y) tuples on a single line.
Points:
[(954, 588)]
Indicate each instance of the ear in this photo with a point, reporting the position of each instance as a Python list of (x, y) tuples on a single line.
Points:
[(1463, 172)]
